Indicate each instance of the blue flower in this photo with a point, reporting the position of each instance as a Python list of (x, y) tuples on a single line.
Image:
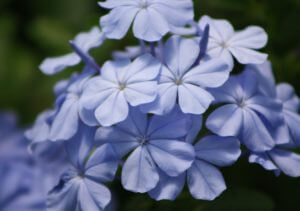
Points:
[(152, 18), (83, 42), (224, 42), (121, 82), (82, 186), (278, 160), (286, 94), (156, 145), (181, 80), (204, 179), (69, 111), (256, 119)]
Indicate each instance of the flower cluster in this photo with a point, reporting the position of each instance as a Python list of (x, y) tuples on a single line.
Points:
[(143, 111)]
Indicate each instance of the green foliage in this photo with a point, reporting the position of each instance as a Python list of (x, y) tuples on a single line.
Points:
[(33, 29)]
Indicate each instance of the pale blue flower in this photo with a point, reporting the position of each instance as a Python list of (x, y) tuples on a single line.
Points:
[(82, 187), (121, 83), (183, 81), (82, 43), (284, 93), (255, 118), (204, 179), (68, 111), (224, 42), (155, 145), (152, 19)]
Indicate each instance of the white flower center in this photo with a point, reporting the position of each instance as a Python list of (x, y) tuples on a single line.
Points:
[(224, 44), (122, 86), (143, 4), (143, 140), (178, 81)]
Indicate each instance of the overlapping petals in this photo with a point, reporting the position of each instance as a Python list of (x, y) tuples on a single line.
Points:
[(224, 42), (121, 83), (154, 147), (180, 80)]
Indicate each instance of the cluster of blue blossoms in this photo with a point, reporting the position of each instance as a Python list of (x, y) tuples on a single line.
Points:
[(144, 110)]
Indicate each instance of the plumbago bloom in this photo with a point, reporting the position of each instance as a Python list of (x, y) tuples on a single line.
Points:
[(204, 179), (154, 148), (121, 83), (183, 79), (280, 158), (256, 119), (81, 187), (69, 111), (224, 42), (84, 42), (143, 109), (152, 18)]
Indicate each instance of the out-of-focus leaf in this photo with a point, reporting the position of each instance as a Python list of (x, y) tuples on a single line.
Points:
[(242, 199)]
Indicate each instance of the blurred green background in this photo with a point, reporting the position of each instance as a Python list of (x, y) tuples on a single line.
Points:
[(34, 29)]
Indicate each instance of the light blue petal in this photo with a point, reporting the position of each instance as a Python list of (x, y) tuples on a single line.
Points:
[(220, 30), (64, 196), (113, 110), (193, 99), (88, 40), (122, 141), (264, 160), (177, 13), (96, 91), (165, 101), (110, 4), (141, 92), (196, 121), (160, 126), (288, 162), (84, 42), (144, 68), (286, 93), (267, 107), (293, 121), (139, 173), (205, 181), (116, 24), (87, 116), (111, 69), (65, 124), (253, 37), (226, 120), (220, 151), (255, 134), (93, 196), (173, 157), (40, 130), (266, 80), (79, 147), (102, 165), (51, 66), (174, 50), (168, 188), (150, 25), (230, 92), (212, 74), (248, 56), (249, 83)]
